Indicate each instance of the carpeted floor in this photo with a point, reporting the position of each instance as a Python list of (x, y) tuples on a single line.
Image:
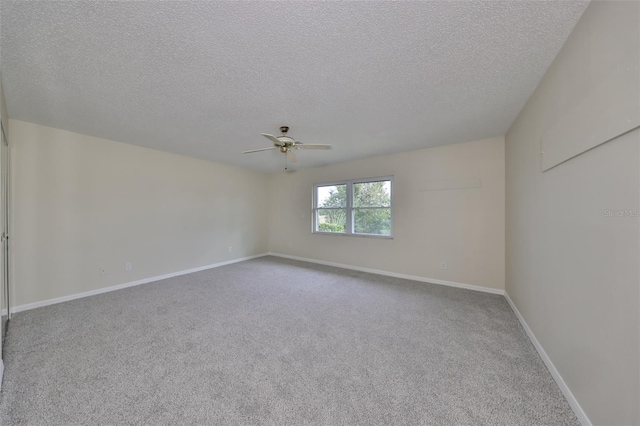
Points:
[(274, 341)]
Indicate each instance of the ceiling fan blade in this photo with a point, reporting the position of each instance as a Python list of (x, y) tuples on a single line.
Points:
[(305, 146), (258, 150), (292, 157), (272, 138)]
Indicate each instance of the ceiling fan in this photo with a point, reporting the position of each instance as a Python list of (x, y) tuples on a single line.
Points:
[(286, 144)]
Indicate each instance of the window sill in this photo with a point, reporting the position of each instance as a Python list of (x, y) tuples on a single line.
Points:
[(340, 234)]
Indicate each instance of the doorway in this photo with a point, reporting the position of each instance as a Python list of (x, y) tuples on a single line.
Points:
[(5, 304)]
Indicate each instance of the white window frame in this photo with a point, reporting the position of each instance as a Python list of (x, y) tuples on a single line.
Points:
[(349, 207)]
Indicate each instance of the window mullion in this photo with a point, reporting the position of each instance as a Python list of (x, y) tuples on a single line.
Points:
[(349, 227)]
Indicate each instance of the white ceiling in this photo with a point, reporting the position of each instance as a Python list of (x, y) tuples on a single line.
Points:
[(204, 79)]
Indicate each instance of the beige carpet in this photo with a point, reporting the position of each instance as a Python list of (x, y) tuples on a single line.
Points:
[(273, 341)]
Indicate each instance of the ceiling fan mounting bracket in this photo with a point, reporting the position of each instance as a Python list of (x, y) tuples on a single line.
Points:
[(284, 129)]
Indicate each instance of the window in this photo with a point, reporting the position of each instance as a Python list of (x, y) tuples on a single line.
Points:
[(353, 207)]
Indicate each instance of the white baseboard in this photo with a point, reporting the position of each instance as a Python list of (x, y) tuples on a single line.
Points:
[(573, 402), (42, 303), (394, 274)]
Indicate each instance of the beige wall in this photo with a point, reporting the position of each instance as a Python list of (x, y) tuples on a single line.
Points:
[(464, 227), (84, 203), (3, 108), (572, 271)]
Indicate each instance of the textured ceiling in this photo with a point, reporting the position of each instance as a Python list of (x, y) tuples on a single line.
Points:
[(204, 79)]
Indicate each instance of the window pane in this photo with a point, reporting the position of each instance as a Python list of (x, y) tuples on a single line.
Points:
[(372, 221), (332, 196), (332, 220), (372, 194)]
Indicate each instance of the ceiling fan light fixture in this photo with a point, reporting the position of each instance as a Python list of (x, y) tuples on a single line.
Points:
[(286, 144)]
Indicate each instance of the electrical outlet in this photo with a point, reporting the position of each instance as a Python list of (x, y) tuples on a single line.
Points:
[(443, 265), (103, 271), (230, 249), (128, 266)]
